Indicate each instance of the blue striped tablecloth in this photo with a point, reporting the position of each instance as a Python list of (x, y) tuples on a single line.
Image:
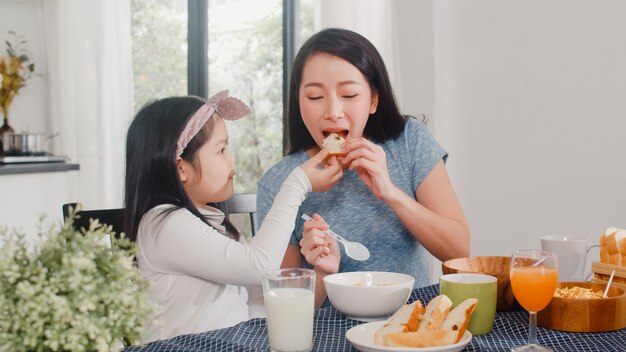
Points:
[(510, 330)]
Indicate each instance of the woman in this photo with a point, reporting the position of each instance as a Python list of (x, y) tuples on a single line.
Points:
[(395, 196)]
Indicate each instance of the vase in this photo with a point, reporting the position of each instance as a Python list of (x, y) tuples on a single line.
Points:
[(5, 129)]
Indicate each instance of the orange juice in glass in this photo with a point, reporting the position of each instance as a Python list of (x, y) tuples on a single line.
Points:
[(534, 276), (534, 286)]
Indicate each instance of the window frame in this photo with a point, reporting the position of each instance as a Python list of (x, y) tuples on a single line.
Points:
[(198, 48)]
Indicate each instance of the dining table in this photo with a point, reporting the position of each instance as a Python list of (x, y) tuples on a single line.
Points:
[(510, 329)]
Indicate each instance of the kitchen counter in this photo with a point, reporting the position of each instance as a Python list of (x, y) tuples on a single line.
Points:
[(29, 168)]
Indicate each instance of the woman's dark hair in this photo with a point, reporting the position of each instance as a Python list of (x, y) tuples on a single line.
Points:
[(151, 173), (386, 123)]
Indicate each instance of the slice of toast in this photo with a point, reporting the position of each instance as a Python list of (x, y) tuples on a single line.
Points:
[(436, 312), (333, 142), (405, 319), (436, 325), (421, 338), (459, 317)]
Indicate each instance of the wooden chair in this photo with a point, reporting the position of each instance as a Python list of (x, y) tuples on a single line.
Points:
[(114, 217), (242, 203)]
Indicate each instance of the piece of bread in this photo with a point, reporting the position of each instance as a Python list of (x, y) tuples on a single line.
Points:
[(459, 317), (421, 338), (405, 319), (333, 142), (436, 325), (436, 312)]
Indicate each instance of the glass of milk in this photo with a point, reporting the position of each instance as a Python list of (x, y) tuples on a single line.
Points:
[(289, 296)]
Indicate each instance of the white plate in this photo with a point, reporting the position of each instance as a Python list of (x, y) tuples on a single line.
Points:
[(369, 319), (362, 337)]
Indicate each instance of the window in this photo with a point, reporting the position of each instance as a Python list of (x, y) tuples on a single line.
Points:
[(245, 55), (159, 34)]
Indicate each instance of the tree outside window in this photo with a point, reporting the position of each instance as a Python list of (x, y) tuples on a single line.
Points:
[(245, 56)]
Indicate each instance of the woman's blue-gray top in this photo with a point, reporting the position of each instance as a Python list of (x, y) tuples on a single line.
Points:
[(352, 211)]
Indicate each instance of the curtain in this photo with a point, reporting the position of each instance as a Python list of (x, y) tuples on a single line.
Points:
[(88, 48), (374, 19)]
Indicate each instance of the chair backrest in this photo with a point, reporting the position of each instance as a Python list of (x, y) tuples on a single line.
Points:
[(114, 217), (242, 203)]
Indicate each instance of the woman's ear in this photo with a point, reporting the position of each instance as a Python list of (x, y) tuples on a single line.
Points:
[(182, 169), (374, 103)]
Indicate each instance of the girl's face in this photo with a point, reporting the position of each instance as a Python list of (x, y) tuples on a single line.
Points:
[(213, 180), (334, 97)]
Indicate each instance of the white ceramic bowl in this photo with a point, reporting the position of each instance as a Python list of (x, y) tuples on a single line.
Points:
[(368, 295)]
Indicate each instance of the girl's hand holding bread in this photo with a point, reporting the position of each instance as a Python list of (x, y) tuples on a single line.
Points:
[(322, 173)]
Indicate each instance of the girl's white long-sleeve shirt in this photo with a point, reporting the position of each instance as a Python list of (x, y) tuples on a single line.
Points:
[(200, 278)]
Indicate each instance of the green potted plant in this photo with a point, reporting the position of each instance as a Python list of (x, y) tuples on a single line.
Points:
[(71, 291)]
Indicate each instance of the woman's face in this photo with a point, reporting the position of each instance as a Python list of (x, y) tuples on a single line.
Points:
[(334, 97), (213, 181)]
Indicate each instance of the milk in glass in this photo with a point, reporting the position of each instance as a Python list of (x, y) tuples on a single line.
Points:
[(290, 319)]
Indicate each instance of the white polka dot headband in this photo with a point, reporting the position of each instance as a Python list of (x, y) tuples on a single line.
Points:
[(229, 108)]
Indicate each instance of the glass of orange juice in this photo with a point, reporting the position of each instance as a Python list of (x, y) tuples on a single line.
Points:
[(534, 276)]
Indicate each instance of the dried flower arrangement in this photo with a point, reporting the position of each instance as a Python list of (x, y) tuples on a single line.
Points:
[(15, 70)]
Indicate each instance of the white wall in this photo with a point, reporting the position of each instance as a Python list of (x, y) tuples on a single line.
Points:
[(25, 197), (530, 103), (29, 110), (414, 38)]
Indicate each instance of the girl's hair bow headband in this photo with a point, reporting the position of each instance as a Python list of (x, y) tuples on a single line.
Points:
[(229, 108)]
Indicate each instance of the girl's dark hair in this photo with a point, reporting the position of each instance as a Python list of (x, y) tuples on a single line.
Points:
[(151, 173), (386, 123)]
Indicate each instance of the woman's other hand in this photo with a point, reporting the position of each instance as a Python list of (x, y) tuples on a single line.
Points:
[(319, 249), (323, 171), (370, 162)]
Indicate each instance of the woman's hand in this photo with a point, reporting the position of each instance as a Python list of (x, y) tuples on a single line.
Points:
[(323, 173), (370, 162), (319, 249)]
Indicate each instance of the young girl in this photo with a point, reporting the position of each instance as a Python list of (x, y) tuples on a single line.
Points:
[(395, 196), (177, 161)]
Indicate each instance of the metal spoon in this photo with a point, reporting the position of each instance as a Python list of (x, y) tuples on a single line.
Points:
[(539, 261), (608, 284), (354, 250)]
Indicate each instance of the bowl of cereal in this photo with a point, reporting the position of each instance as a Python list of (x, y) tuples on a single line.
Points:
[(581, 307), (368, 295)]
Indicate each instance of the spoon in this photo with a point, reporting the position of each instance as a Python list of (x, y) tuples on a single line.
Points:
[(539, 261), (608, 284), (354, 250)]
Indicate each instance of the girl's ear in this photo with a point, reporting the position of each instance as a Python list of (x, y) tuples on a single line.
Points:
[(182, 169), (374, 104)]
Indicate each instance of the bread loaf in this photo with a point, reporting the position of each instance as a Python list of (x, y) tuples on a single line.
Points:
[(613, 249), (613, 246)]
